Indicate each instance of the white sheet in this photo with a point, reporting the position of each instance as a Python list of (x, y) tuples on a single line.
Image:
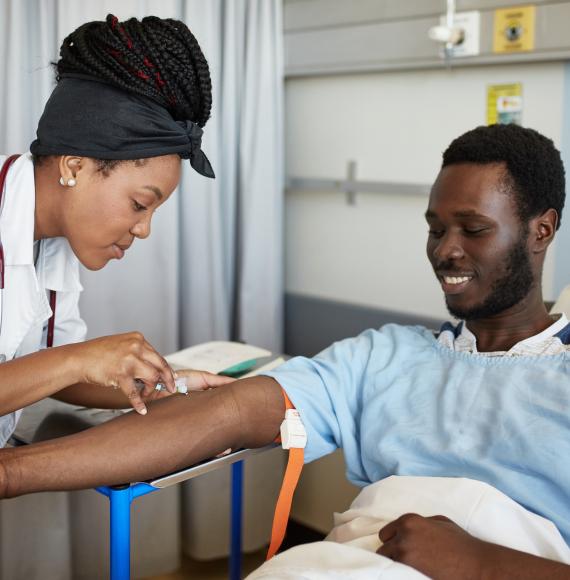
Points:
[(349, 550)]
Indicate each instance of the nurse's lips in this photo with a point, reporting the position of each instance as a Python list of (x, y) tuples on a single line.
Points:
[(119, 250), (454, 282)]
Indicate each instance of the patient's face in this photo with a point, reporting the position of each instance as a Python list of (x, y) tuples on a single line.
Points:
[(477, 244)]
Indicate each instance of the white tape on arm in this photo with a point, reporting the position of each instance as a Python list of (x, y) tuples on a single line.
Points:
[(293, 434)]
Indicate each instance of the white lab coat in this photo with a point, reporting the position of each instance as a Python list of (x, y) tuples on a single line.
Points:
[(58, 535), (24, 304)]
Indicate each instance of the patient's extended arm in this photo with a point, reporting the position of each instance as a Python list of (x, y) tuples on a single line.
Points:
[(177, 432)]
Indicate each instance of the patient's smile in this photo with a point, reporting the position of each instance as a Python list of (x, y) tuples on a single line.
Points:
[(454, 280), (454, 284)]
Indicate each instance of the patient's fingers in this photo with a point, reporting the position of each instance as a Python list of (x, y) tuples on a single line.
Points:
[(202, 380), (388, 531), (393, 534), (440, 519), (435, 546)]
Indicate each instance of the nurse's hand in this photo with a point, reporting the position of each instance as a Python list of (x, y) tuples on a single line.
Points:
[(122, 361)]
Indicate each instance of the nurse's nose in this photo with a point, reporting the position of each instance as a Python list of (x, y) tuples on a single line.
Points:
[(141, 229)]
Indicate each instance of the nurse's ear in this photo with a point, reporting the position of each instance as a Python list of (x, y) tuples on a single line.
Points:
[(69, 167)]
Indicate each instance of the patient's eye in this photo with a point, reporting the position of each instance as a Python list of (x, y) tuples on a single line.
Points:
[(475, 230)]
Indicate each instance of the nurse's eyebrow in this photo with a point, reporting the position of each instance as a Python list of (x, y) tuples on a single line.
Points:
[(155, 190)]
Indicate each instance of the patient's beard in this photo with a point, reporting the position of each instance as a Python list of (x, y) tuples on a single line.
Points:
[(506, 291)]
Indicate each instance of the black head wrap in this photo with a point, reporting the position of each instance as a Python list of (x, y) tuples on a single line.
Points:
[(88, 117)]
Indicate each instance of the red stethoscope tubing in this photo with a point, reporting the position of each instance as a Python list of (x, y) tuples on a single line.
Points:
[(52, 293)]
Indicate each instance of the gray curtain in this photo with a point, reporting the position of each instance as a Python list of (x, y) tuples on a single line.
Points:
[(211, 270)]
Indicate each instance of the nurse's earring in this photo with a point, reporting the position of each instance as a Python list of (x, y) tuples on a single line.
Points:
[(70, 182)]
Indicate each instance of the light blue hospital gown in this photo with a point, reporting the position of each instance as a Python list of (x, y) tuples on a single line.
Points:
[(400, 402)]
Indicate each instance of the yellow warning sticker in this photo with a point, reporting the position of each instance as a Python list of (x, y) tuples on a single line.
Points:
[(514, 29), (504, 104)]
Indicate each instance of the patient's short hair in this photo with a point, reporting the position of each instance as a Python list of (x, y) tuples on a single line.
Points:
[(535, 173)]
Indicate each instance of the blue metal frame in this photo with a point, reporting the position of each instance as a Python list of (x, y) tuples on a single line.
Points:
[(236, 521), (120, 499)]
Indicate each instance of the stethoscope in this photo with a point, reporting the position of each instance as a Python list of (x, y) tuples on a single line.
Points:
[(52, 295)]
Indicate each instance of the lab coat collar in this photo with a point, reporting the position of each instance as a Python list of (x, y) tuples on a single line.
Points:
[(56, 267), (17, 218)]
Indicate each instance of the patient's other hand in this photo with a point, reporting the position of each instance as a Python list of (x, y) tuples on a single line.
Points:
[(435, 546)]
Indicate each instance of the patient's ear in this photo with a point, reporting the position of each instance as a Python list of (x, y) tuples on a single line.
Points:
[(542, 229)]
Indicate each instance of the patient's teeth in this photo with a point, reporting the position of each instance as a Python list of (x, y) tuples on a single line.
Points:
[(456, 279)]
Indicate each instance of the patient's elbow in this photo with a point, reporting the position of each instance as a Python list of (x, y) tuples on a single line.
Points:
[(261, 408)]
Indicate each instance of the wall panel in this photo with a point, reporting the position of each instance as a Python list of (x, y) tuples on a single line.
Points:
[(333, 36)]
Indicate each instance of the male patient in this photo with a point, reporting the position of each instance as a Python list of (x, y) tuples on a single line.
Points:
[(486, 399)]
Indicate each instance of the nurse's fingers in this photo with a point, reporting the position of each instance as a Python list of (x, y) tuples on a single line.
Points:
[(147, 389), (152, 357), (146, 378), (157, 395), (129, 388)]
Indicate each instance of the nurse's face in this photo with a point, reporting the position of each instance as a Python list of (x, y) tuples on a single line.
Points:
[(103, 214), (477, 244)]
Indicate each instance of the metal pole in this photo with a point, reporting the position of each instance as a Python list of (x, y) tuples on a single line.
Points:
[(120, 499), (236, 521), (120, 506)]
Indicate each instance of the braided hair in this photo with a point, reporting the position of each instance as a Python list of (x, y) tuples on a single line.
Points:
[(154, 57)]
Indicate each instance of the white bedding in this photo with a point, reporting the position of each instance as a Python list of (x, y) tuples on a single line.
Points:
[(349, 550)]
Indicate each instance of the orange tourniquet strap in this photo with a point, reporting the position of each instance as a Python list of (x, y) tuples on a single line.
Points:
[(283, 507)]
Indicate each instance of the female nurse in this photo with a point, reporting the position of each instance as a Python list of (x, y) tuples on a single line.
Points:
[(131, 100)]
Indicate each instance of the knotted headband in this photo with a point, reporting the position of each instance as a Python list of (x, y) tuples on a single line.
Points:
[(88, 117)]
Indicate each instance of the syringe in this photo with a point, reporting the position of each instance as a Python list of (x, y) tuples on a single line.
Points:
[(179, 383)]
